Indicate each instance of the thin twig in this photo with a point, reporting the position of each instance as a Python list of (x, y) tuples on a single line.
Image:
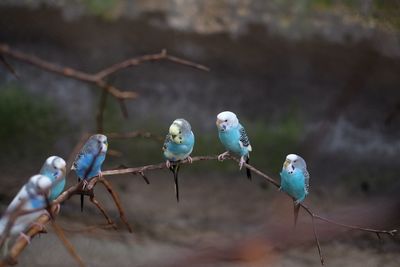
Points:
[(117, 202), (145, 58), (60, 233)]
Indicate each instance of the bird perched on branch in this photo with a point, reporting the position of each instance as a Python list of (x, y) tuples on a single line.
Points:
[(54, 168), (234, 138), (88, 162), (178, 145), (295, 180), (33, 199)]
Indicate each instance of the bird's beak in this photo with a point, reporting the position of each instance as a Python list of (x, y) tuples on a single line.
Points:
[(286, 163), (218, 123), (104, 147)]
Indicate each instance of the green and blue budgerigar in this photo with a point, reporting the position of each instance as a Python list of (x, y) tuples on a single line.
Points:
[(178, 145), (295, 180), (234, 138)]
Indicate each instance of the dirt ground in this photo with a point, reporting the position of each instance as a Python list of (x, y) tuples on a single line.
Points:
[(222, 220)]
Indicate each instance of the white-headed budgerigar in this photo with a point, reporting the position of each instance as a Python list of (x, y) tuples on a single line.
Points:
[(234, 138), (295, 180), (54, 168), (31, 197), (88, 162), (178, 145)]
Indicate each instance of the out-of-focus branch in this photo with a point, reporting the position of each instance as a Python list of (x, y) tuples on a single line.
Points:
[(163, 55), (5, 50), (77, 189), (97, 79)]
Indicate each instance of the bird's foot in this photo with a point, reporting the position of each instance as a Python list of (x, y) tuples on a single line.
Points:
[(42, 228), (168, 164), (280, 189), (189, 159), (56, 209), (241, 162), (297, 202), (222, 156), (24, 236), (85, 183)]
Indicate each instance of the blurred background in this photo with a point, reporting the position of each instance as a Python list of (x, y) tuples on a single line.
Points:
[(319, 78)]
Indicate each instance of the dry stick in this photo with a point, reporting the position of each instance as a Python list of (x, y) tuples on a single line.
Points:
[(117, 202), (65, 71), (97, 78), (76, 189), (152, 57), (60, 233), (103, 211)]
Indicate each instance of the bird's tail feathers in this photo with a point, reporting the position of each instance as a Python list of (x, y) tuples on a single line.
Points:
[(175, 170), (248, 171), (82, 200)]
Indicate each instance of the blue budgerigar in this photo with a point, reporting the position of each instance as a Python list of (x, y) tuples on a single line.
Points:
[(295, 180), (32, 197), (88, 162), (234, 138), (54, 168), (178, 145)]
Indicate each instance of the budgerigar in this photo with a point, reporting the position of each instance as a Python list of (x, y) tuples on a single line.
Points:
[(178, 145), (54, 168), (31, 197), (88, 162), (234, 138), (295, 180)]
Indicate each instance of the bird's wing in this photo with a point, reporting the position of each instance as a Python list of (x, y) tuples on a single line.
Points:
[(166, 141), (244, 139), (306, 179), (86, 149)]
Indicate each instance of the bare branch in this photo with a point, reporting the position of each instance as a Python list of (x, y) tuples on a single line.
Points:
[(77, 189), (145, 58)]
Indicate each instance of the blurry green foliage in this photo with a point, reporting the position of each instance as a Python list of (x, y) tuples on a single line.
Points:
[(102, 8), (28, 124)]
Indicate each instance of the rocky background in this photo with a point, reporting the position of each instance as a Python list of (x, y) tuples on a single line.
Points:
[(313, 77)]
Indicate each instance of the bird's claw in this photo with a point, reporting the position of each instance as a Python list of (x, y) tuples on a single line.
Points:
[(241, 162), (24, 236), (222, 156), (85, 183), (190, 159), (168, 164), (42, 228)]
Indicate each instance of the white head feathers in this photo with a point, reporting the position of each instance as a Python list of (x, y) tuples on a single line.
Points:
[(226, 120)]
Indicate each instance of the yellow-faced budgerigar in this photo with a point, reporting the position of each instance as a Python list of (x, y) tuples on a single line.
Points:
[(295, 180), (54, 168), (32, 197), (88, 162), (234, 138), (178, 145)]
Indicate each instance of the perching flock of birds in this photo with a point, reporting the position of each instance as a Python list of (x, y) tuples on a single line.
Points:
[(41, 189)]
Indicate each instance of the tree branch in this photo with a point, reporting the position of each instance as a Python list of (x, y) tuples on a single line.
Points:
[(77, 189)]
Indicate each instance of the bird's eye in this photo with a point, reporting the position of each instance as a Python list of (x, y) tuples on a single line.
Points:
[(295, 161), (226, 120), (180, 132)]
